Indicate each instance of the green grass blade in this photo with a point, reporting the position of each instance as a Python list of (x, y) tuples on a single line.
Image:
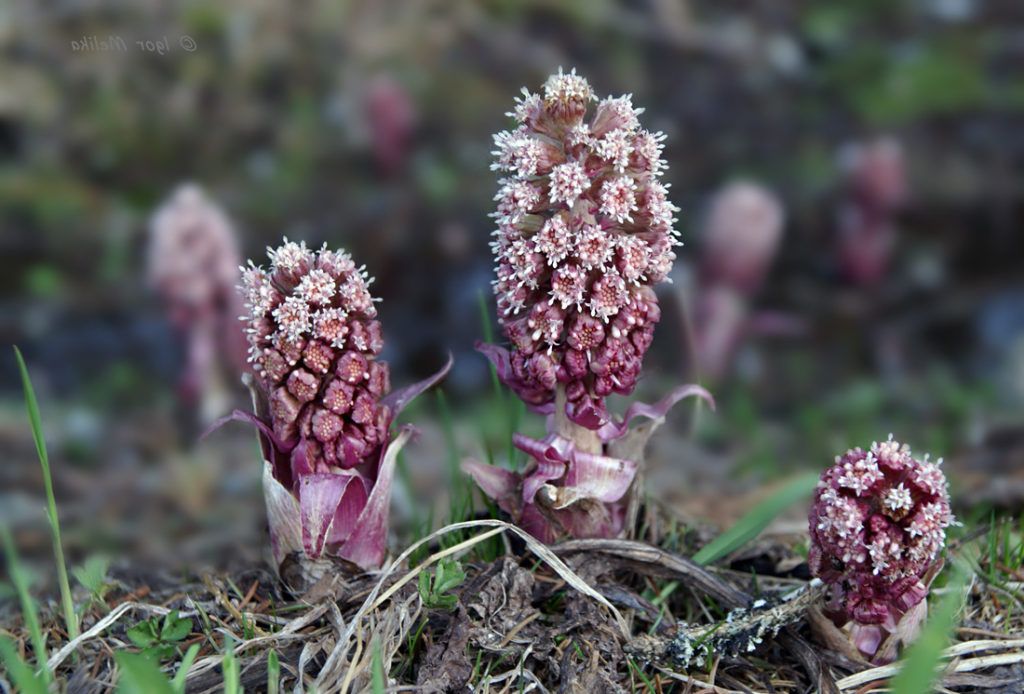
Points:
[(751, 525), (70, 618), (27, 681), (922, 659), (273, 673), (377, 683), (178, 683), (232, 677), (28, 605), (140, 675)]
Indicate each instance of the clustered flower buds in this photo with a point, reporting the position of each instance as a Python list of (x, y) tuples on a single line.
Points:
[(192, 264), (877, 526), (584, 232), (323, 406), (585, 229), (314, 340)]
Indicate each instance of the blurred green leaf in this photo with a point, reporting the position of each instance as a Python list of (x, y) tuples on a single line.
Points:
[(25, 679), (175, 628), (92, 575), (140, 675), (143, 634)]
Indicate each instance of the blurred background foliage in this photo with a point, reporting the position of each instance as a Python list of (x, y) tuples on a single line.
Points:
[(368, 125)]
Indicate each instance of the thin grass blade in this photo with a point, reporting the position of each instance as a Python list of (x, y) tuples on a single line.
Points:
[(28, 605), (377, 683), (70, 618), (273, 673), (178, 683), (751, 525)]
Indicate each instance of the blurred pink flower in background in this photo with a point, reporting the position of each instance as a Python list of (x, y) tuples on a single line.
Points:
[(193, 264), (875, 187), (391, 116), (742, 233), (877, 527)]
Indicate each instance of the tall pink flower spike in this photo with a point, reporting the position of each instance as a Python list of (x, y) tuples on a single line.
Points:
[(877, 527), (323, 406), (585, 230)]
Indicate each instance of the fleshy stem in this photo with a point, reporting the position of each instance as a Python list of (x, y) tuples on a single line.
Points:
[(51, 501), (585, 440)]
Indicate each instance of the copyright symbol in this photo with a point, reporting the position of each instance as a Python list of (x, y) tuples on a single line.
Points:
[(188, 43)]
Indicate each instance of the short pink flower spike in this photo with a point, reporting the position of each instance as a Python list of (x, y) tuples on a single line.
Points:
[(323, 404), (877, 527)]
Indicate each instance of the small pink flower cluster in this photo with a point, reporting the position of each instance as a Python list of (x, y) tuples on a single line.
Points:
[(322, 406), (877, 525), (584, 231), (314, 339)]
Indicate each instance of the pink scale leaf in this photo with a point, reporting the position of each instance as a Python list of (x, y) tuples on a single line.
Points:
[(283, 516), (367, 545), (320, 495), (600, 477), (397, 400), (615, 429), (499, 484)]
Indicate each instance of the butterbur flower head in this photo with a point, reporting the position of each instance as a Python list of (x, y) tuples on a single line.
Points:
[(584, 227), (323, 403), (877, 527)]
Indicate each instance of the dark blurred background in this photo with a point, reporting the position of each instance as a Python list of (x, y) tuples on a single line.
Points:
[(881, 285)]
